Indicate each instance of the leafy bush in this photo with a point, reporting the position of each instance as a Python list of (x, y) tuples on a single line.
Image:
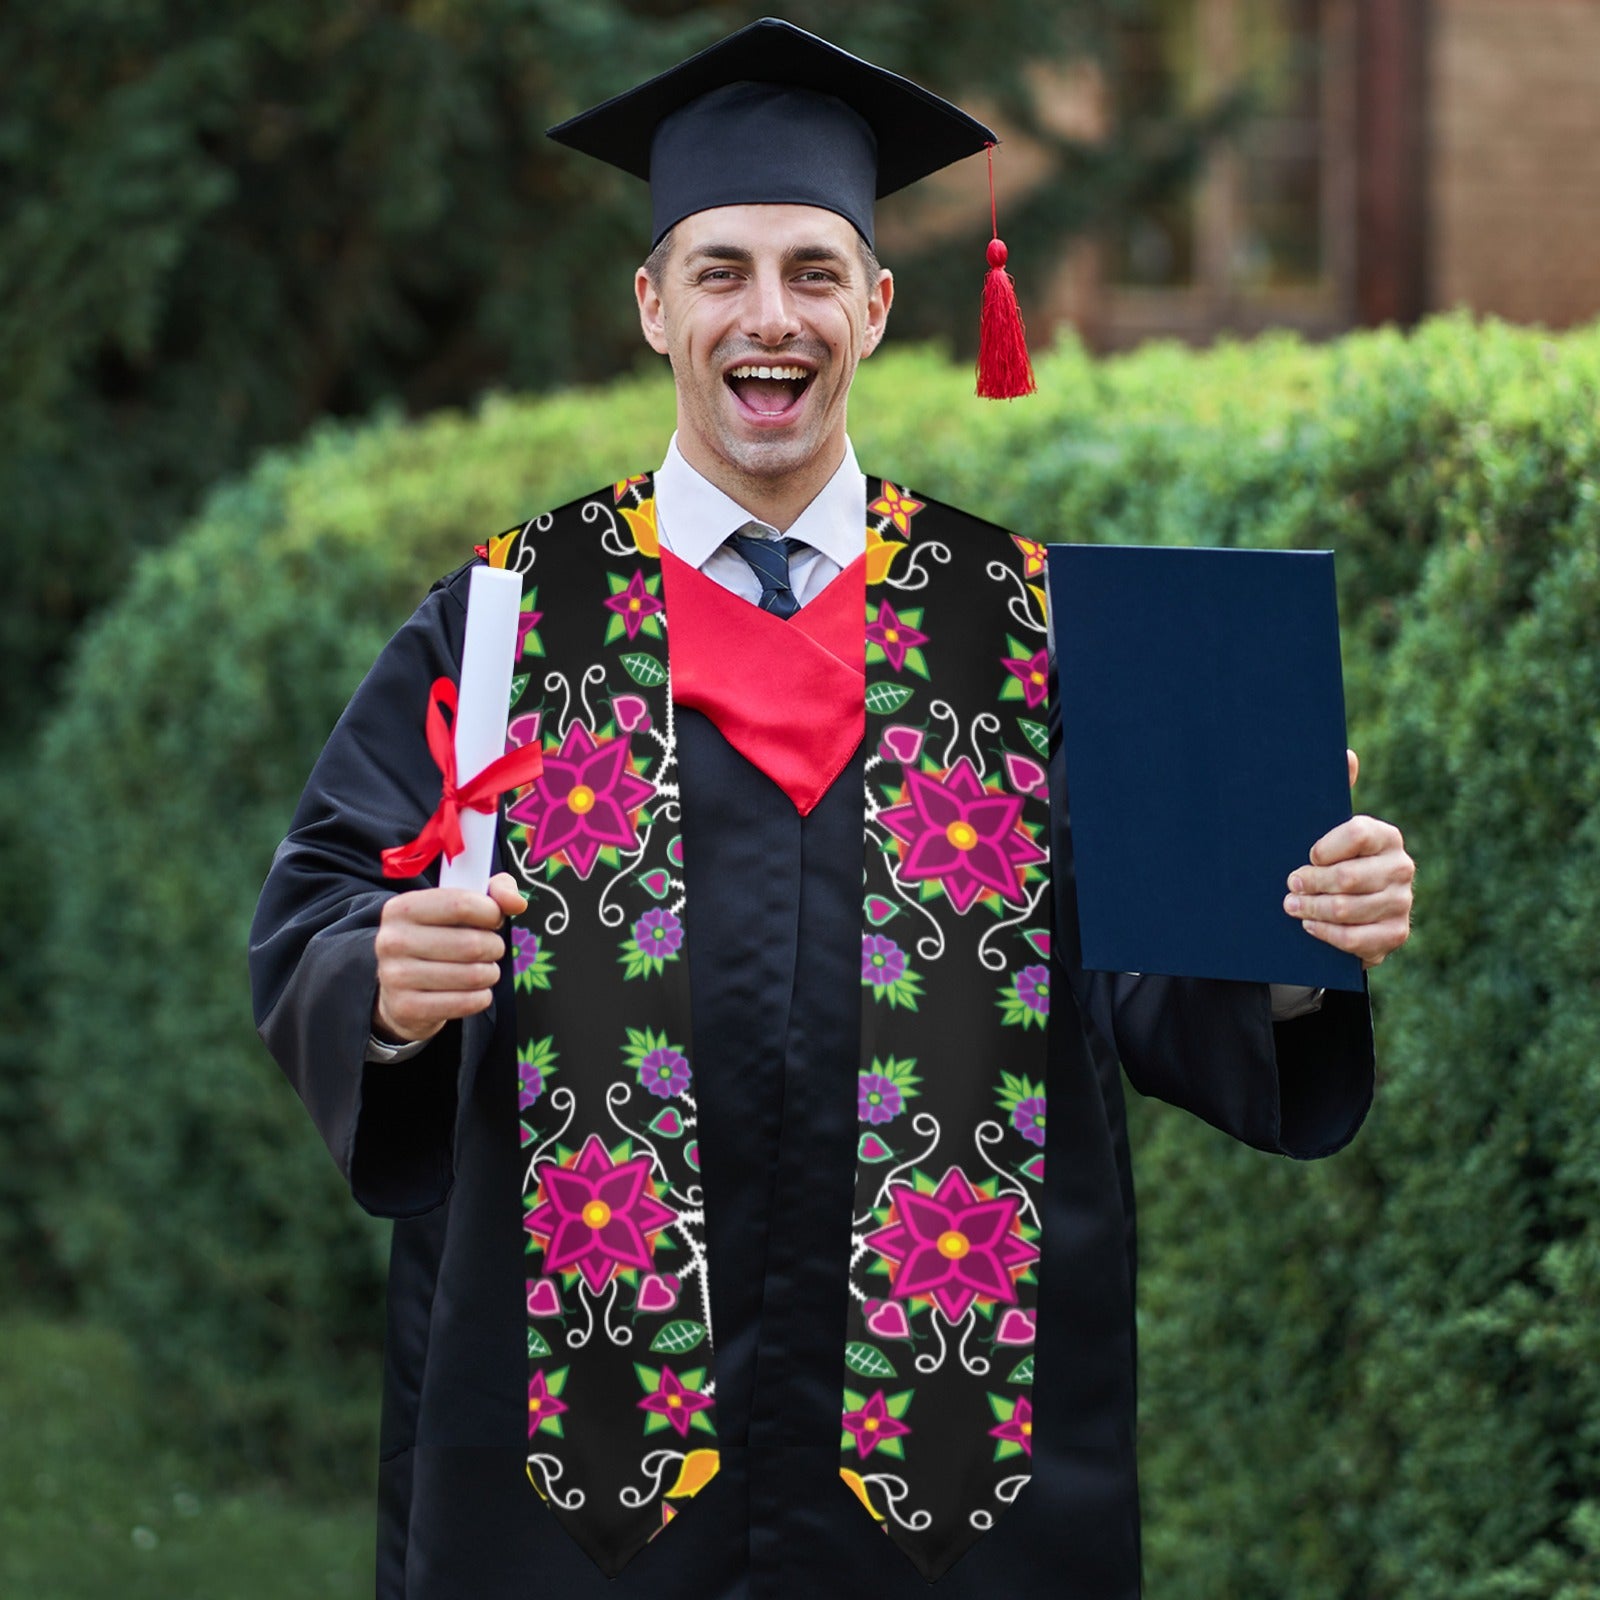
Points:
[(1376, 1377), (94, 1502), (1373, 1377)]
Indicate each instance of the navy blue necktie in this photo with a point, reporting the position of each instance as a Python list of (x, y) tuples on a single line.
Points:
[(769, 560)]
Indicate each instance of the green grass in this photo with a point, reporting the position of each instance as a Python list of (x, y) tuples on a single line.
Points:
[(92, 1504)]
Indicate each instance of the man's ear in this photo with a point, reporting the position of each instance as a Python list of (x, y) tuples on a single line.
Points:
[(652, 315), (878, 303)]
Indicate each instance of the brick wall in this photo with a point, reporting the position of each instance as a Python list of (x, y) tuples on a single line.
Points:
[(1514, 162)]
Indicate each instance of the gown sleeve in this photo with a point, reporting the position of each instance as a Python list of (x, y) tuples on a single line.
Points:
[(313, 965), (1299, 1088)]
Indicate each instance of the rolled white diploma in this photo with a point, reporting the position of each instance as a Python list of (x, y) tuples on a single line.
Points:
[(494, 597)]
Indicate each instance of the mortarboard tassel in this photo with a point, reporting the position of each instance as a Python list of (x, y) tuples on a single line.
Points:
[(1004, 370)]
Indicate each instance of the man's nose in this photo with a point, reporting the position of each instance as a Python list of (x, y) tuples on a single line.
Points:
[(772, 319)]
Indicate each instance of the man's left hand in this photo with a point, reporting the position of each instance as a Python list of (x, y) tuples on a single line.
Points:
[(1355, 893)]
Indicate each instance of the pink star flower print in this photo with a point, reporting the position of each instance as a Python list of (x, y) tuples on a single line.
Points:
[(543, 1406), (598, 1215), (582, 802), (1033, 673), (872, 1425), (953, 1245), (634, 604), (1018, 1427), (893, 636), (675, 1402), (966, 836), (527, 621)]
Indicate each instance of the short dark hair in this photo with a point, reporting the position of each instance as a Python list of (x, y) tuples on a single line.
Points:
[(655, 264)]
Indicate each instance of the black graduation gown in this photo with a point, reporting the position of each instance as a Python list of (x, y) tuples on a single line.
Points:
[(775, 975)]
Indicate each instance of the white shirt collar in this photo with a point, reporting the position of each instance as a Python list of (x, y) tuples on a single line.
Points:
[(694, 517)]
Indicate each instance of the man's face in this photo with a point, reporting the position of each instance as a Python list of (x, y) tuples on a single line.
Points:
[(775, 289)]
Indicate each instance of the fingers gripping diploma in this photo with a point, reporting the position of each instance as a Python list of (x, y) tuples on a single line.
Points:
[(1355, 893), (438, 956)]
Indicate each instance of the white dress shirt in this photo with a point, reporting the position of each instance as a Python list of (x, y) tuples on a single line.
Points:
[(693, 520)]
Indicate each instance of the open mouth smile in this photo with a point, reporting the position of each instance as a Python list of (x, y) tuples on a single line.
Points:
[(769, 393)]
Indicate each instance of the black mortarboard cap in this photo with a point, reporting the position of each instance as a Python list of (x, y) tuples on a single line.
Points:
[(774, 115)]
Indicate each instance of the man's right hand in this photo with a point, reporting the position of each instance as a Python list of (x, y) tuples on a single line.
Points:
[(438, 957)]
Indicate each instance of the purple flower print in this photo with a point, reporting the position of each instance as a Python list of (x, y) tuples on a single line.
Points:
[(1033, 989), (664, 1072), (657, 934), (530, 1082), (524, 951), (877, 1099), (882, 961), (1028, 1119)]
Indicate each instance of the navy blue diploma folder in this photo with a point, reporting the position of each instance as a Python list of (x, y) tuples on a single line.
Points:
[(1202, 717)]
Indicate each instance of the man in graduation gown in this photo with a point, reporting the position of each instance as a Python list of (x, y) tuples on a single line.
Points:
[(578, 1209)]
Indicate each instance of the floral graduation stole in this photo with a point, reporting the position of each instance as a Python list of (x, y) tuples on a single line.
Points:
[(935, 1409)]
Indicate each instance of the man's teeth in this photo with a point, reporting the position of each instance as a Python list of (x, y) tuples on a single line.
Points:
[(798, 374)]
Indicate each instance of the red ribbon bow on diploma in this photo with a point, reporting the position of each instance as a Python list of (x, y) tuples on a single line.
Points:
[(442, 831)]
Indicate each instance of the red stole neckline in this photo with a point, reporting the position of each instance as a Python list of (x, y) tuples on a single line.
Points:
[(788, 695)]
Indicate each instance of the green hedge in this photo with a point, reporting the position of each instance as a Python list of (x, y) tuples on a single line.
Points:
[(1378, 1377), (1373, 1377)]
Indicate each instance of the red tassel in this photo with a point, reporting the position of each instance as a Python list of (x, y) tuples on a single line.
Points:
[(1004, 370)]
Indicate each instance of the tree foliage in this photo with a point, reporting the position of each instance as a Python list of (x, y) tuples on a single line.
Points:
[(218, 224)]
